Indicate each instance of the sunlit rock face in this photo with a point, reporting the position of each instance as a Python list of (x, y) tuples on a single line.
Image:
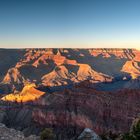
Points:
[(8, 59), (29, 93), (119, 53), (64, 67), (133, 68), (13, 76)]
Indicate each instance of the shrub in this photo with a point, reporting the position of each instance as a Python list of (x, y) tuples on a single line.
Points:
[(136, 129), (134, 133), (47, 134), (128, 136)]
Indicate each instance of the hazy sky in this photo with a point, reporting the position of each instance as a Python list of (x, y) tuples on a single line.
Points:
[(69, 23)]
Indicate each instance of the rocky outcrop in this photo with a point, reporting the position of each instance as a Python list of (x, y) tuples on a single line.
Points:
[(13, 76), (28, 93), (8, 59), (61, 75), (12, 134), (119, 53), (133, 68), (88, 134)]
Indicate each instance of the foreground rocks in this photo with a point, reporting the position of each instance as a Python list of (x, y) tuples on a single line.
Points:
[(12, 134), (88, 134)]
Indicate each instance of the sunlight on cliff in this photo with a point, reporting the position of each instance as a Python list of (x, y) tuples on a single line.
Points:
[(29, 93), (132, 68)]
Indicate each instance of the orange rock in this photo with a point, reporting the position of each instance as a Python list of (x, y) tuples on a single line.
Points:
[(29, 93), (132, 68)]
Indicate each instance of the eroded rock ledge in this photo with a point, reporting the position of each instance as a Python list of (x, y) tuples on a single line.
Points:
[(12, 134)]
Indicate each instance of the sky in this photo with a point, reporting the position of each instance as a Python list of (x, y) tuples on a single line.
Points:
[(70, 23)]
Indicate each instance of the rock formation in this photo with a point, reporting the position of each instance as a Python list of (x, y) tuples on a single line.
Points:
[(88, 134), (77, 108), (68, 95), (11, 134), (29, 93), (68, 66)]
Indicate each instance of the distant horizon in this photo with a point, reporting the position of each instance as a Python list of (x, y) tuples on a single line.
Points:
[(66, 48)]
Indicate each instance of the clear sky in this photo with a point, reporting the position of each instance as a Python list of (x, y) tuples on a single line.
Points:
[(69, 23)]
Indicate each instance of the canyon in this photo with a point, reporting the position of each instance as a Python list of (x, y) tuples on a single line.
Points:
[(69, 90), (59, 67)]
